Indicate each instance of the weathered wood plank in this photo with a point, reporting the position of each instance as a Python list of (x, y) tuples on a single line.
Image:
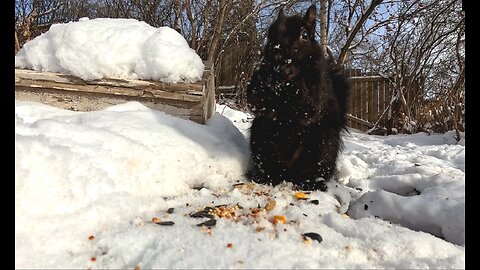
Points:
[(112, 90), (358, 99), (361, 122), (364, 115), (194, 101), (375, 112), (370, 91), (115, 82), (353, 96), (82, 101), (381, 97)]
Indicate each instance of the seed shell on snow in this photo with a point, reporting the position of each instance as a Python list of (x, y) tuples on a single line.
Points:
[(239, 184), (259, 229), (165, 223), (208, 208), (208, 223), (301, 196), (313, 236), (316, 202), (170, 210), (270, 205), (278, 219), (202, 214)]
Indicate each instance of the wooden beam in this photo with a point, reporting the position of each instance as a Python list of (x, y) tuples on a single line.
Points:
[(358, 120), (194, 101)]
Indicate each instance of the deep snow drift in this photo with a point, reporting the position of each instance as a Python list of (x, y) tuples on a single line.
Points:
[(113, 48), (87, 185)]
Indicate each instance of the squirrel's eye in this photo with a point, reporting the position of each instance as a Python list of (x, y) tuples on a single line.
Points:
[(303, 33)]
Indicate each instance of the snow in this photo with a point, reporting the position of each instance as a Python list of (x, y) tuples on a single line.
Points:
[(113, 48), (399, 201)]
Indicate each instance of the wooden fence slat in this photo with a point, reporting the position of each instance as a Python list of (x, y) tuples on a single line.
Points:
[(388, 97), (358, 101), (370, 101), (353, 98), (358, 113), (381, 97), (350, 107), (375, 113), (364, 102)]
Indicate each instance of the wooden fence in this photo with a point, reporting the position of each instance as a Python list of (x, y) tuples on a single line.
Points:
[(369, 97)]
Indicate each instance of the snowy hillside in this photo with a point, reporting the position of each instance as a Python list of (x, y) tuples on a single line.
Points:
[(92, 188)]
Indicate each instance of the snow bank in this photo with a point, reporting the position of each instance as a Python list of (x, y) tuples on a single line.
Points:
[(443, 217), (69, 160), (87, 185), (416, 180), (118, 48)]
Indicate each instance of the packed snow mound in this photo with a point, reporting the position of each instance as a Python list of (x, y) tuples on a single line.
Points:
[(112, 48), (125, 148)]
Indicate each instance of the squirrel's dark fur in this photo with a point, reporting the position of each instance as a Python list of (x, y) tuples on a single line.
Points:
[(299, 101)]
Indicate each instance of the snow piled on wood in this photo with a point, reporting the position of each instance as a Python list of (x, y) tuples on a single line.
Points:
[(112, 48)]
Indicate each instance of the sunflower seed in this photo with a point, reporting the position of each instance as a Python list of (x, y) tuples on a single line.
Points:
[(208, 223), (165, 223), (313, 236), (316, 202), (201, 214)]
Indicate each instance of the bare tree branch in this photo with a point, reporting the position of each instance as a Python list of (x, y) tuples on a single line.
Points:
[(343, 53)]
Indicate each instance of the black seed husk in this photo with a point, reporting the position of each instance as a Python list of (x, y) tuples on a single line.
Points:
[(239, 184), (313, 236), (201, 214), (365, 206), (165, 223), (170, 210), (316, 202), (208, 223)]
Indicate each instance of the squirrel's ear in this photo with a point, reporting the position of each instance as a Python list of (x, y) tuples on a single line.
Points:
[(281, 14), (311, 15), (310, 19)]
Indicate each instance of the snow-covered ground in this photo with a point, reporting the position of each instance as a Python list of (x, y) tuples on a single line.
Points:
[(125, 187), (88, 184), (113, 48)]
